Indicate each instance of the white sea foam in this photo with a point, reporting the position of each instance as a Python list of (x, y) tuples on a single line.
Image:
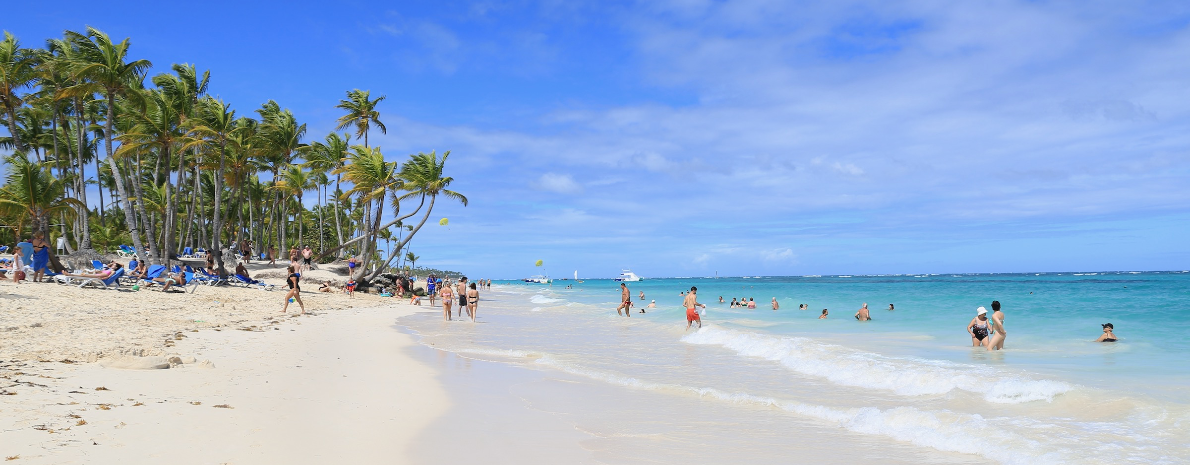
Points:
[(943, 430), (903, 376), (541, 299)]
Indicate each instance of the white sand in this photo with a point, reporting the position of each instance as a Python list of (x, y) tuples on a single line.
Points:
[(336, 387)]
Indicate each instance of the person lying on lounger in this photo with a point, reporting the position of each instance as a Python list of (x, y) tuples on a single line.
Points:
[(101, 274), (177, 279)]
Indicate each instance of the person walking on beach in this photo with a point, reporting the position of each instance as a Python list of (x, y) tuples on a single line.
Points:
[(41, 256), (448, 298), (978, 327), (472, 302), (625, 301), (307, 258), (295, 290), (691, 304), (996, 342), (461, 292), (272, 255), (1108, 334), (862, 314)]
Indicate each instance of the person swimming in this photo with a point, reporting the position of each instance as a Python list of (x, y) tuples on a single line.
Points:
[(978, 328), (823, 316), (1108, 334)]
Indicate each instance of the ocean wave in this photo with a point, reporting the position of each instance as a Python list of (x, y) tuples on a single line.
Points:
[(942, 429), (903, 376), (541, 299)]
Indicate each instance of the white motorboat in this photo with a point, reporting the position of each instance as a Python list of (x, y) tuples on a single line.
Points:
[(540, 279), (628, 276)]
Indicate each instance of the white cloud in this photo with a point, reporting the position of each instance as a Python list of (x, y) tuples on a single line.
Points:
[(560, 183)]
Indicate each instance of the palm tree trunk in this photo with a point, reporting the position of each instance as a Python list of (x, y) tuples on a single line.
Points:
[(146, 220), (321, 229), (134, 231), (338, 225), (413, 232), (99, 184), (84, 224), (216, 221)]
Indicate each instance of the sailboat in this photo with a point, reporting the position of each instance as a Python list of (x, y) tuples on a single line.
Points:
[(576, 276)]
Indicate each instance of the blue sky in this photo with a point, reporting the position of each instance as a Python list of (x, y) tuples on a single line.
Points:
[(687, 137)]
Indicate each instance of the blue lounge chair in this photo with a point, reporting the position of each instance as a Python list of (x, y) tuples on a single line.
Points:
[(3, 248), (246, 281), (153, 272), (188, 252), (111, 282), (98, 265), (126, 251)]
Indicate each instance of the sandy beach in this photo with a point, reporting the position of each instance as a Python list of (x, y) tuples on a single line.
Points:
[(214, 376)]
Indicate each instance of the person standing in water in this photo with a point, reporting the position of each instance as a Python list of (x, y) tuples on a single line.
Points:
[(1108, 334), (978, 327), (862, 314), (461, 292), (642, 295), (823, 316), (472, 301), (996, 342), (691, 304), (625, 301), (295, 290), (775, 305), (448, 298)]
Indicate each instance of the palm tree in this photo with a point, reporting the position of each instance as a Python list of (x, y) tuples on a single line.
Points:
[(184, 90), (372, 179), (281, 138), (294, 182), (105, 64), (157, 130), (424, 177), (219, 121), (361, 113), (412, 259), (329, 156), (31, 194), (18, 69)]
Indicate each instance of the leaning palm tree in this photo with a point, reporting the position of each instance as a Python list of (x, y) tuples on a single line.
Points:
[(18, 69), (424, 177), (105, 64), (361, 113), (372, 179)]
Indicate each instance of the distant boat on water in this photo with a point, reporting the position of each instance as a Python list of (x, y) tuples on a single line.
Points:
[(628, 276), (539, 279), (576, 276)]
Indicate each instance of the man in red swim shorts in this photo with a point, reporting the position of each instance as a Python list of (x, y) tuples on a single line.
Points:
[(691, 304)]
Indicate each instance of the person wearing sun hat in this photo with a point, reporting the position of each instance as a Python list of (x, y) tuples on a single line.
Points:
[(978, 327)]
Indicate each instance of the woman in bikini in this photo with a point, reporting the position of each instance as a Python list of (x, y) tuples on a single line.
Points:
[(1108, 334), (295, 290), (448, 299), (472, 301), (978, 328)]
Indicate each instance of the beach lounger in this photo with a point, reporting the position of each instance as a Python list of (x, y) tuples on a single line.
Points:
[(249, 282), (152, 273), (3, 249), (98, 265), (112, 282), (125, 252), (188, 252)]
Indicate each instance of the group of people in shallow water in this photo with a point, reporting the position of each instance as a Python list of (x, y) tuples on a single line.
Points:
[(986, 331), (466, 294)]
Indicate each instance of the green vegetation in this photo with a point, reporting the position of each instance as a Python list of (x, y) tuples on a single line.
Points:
[(179, 169)]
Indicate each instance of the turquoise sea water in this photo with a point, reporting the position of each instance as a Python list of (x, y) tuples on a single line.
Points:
[(908, 378)]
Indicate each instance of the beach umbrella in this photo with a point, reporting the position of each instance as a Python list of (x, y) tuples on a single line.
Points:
[(539, 262), (442, 222)]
